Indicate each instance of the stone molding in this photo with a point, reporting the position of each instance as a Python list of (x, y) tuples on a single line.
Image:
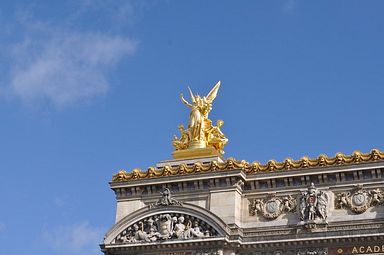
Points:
[(278, 182), (243, 245)]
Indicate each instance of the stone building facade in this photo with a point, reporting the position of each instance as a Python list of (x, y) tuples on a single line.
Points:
[(212, 206), (202, 204)]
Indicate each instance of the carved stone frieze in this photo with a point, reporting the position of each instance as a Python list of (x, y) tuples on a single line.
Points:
[(210, 252), (308, 251), (318, 251), (269, 233), (164, 227), (360, 199), (272, 206), (280, 252)]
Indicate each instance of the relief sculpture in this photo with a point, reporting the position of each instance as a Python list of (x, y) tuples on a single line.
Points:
[(164, 227), (313, 204), (166, 199), (210, 252), (319, 251), (359, 200), (313, 208), (272, 207)]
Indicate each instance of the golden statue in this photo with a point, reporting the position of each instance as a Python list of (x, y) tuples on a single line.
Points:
[(216, 138), (201, 138), (182, 142)]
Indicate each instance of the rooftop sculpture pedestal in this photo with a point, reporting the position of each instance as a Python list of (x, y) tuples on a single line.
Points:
[(196, 153)]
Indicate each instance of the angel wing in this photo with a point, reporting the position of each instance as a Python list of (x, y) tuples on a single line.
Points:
[(213, 93)]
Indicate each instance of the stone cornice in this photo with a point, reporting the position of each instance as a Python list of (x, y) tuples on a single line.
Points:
[(250, 168)]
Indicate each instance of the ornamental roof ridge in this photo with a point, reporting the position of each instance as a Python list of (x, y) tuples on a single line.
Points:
[(249, 168)]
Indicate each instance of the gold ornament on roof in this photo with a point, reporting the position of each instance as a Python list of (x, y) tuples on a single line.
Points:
[(251, 168), (201, 138)]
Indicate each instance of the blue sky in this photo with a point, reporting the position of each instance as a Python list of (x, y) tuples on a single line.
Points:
[(88, 87)]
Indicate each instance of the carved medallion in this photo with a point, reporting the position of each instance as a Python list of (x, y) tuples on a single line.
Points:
[(359, 200), (272, 207)]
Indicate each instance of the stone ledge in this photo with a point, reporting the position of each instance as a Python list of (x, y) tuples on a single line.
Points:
[(191, 161)]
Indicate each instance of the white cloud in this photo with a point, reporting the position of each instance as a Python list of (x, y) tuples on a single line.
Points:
[(79, 239), (65, 67)]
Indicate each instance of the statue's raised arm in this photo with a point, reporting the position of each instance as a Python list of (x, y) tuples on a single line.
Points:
[(184, 101)]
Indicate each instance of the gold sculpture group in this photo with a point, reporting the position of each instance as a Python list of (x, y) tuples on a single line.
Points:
[(201, 135)]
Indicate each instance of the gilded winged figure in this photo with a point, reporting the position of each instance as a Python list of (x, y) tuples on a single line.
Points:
[(200, 133)]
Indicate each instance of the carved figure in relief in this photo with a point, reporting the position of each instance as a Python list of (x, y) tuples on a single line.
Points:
[(169, 227), (322, 205), (139, 233), (126, 238), (195, 231), (313, 252), (377, 196), (151, 224), (272, 207), (341, 200), (211, 252), (311, 213), (359, 200), (289, 203), (218, 252), (166, 199), (153, 235), (256, 206), (303, 207), (313, 204), (165, 226), (180, 228), (174, 222)]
